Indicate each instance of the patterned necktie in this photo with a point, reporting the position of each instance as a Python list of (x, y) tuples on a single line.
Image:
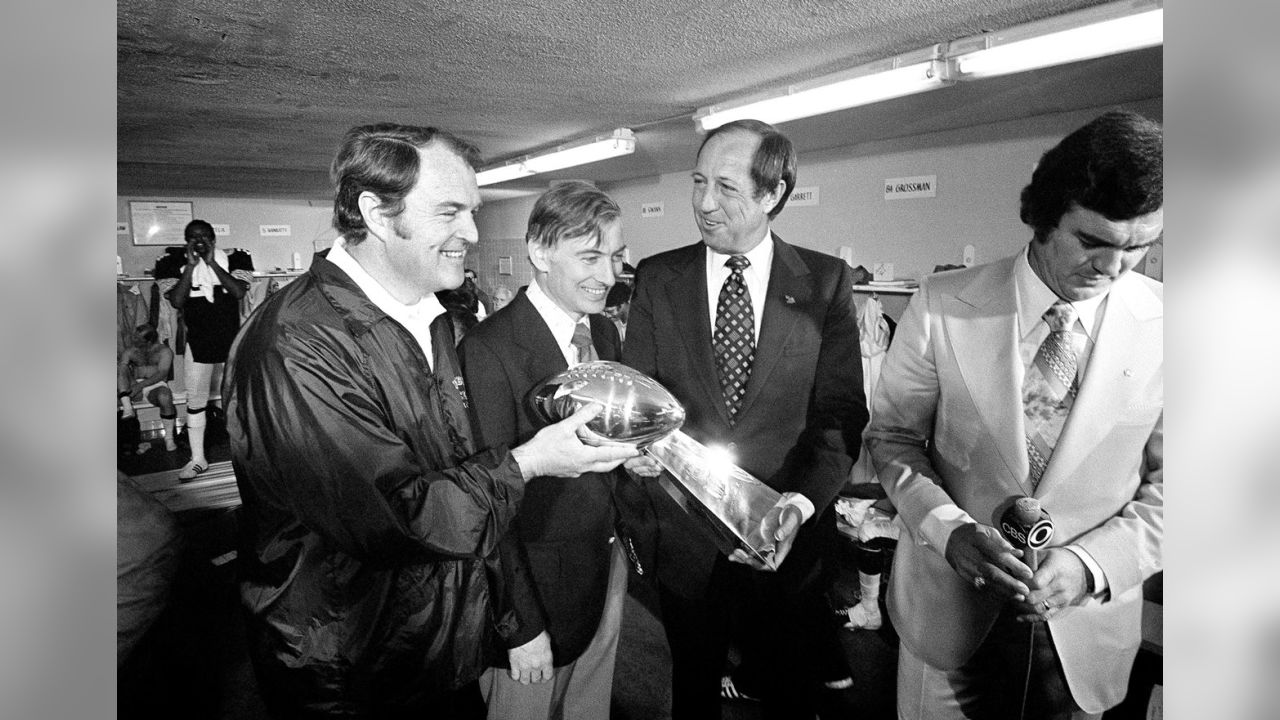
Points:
[(582, 343), (734, 338), (1050, 387)]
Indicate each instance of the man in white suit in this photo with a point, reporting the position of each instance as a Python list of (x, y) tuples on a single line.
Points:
[(1039, 375)]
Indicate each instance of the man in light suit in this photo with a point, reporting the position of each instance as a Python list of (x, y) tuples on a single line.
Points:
[(564, 576), (744, 300), (982, 401)]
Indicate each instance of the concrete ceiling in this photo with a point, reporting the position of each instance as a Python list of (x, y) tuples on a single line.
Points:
[(249, 100)]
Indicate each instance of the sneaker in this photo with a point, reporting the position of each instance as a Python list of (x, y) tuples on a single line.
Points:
[(864, 616), (191, 470), (729, 692)]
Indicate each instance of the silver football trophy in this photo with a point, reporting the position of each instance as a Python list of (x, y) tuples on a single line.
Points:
[(640, 411)]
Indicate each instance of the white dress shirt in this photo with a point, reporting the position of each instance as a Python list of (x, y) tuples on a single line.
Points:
[(415, 318), (558, 321), (756, 275)]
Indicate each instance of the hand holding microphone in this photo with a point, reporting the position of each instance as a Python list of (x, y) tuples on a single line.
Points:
[(1028, 527)]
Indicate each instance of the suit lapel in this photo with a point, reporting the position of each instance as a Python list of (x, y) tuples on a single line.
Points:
[(688, 294), (787, 286), (530, 332), (602, 339), (1129, 350), (981, 325)]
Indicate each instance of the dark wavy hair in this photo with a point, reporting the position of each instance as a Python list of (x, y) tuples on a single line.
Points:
[(774, 161), (1113, 166), (571, 209), (383, 159)]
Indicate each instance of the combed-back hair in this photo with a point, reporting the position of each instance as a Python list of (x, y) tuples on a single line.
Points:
[(383, 159), (571, 209), (774, 161)]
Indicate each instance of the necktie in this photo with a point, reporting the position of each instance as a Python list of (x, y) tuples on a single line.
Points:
[(1050, 387), (582, 343), (734, 336)]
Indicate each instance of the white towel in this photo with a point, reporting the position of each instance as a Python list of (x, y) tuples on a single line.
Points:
[(203, 278)]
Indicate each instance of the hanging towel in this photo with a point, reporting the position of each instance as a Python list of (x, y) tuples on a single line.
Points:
[(204, 279)]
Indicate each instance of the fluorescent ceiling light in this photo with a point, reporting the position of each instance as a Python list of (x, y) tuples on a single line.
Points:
[(866, 84), (618, 142), (1098, 31)]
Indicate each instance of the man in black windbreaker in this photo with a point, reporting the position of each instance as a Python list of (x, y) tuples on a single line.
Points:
[(366, 513)]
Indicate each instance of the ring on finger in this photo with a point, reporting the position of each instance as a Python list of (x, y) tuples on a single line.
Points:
[(979, 582), (1047, 606)]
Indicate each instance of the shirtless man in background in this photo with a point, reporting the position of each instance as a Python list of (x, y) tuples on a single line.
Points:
[(143, 372)]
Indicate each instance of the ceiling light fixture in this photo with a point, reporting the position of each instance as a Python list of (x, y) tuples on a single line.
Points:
[(1091, 33), (619, 142), (881, 80)]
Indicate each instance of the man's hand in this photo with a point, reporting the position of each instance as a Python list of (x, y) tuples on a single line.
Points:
[(560, 449), (531, 662), (1061, 581), (643, 466), (983, 558), (780, 525)]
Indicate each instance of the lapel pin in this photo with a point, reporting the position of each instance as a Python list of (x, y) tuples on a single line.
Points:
[(790, 300)]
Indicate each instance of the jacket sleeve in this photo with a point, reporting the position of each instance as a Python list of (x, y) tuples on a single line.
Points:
[(837, 413), (497, 407), (1128, 546), (312, 442), (904, 405)]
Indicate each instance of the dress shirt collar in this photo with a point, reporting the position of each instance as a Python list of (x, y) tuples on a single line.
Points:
[(425, 310), (761, 257), (756, 276), (558, 321), (416, 318), (1034, 298)]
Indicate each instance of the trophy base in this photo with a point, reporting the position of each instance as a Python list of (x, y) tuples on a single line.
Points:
[(728, 500)]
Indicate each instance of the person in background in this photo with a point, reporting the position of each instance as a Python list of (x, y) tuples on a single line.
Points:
[(501, 296), (1037, 376), (208, 295), (460, 305), (143, 373), (617, 307), (484, 304), (564, 567), (758, 339), (367, 511)]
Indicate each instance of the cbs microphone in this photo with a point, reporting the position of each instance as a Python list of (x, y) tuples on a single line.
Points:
[(1028, 527)]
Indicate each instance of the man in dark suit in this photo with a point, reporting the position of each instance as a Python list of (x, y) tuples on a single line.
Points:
[(758, 340), (564, 575)]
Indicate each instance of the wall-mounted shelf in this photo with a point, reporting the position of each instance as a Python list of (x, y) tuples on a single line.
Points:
[(885, 289), (273, 274)]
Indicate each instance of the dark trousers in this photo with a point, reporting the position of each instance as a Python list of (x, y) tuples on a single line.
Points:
[(1010, 652), (785, 632), (990, 686)]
